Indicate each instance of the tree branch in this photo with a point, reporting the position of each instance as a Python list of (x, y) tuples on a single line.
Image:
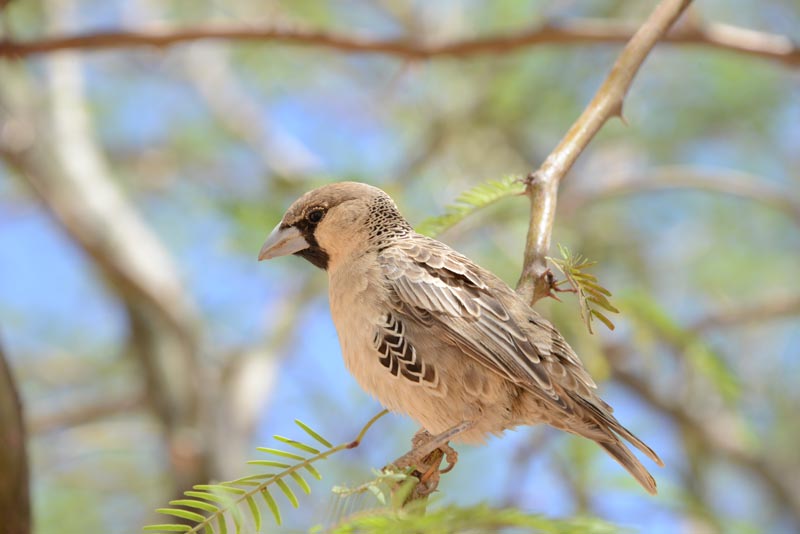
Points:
[(714, 35), (679, 177), (534, 283), (14, 483), (90, 412), (743, 313), (82, 198)]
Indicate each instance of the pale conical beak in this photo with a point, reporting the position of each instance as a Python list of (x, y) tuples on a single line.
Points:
[(282, 242)]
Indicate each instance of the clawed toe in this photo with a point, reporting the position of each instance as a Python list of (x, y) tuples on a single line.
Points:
[(451, 455)]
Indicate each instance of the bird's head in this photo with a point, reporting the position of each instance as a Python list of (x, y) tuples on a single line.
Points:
[(329, 223)]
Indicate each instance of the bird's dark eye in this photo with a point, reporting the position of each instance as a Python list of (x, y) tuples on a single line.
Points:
[(314, 216)]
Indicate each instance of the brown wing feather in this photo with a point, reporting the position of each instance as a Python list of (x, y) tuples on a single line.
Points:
[(436, 286)]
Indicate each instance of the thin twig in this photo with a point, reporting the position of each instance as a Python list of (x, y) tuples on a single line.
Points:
[(680, 177), (742, 313), (93, 411), (714, 35), (233, 107), (534, 283)]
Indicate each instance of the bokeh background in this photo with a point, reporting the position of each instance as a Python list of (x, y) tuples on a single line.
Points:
[(152, 351)]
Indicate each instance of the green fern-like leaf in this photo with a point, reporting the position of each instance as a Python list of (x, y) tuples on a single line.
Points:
[(316, 436), (287, 491), (278, 452), (192, 503), (167, 528), (273, 506), (235, 500), (251, 504), (479, 518), (298, 445), (301, 482), (183, 514), (470, 201), (592, 297), (389, 487), (383, 480), (313, 470)]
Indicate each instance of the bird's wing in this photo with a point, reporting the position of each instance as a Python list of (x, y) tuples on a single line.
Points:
[(399, 356), (441, 289)]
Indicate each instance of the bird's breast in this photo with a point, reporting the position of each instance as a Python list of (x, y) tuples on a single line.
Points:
[(356, 293), (359, 303)]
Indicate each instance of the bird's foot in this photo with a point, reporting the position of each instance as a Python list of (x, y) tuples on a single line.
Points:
[(428, 473), (424, 443), (451, 455), (426, 457)]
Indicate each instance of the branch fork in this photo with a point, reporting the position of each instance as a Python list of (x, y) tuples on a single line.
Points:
[(542, 185)]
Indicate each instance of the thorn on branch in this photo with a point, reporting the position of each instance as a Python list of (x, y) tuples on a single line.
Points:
[(554, 285), (530, 179), (616, 111)]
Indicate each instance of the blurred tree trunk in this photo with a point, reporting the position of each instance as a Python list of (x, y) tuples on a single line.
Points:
[(14, 497), (163, 320)]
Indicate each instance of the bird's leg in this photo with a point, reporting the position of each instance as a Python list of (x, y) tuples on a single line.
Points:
[(451, 455), (426, 455), (448, 452), (424, 444), (428, 473), (421, 437)]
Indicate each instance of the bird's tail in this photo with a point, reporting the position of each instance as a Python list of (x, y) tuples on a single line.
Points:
[(626, 459), (608, 437)]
